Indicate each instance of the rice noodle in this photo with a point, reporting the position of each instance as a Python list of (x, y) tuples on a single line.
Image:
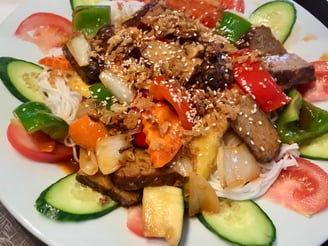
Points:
[(270, 172), (62, 101)]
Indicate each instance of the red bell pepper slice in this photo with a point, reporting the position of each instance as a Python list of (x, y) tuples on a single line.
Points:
[(254, 79), (176, 95)]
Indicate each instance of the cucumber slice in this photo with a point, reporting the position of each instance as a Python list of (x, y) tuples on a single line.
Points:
[(69, 200), (316, 148), (76, 3), (241, 222), (19, 77), (280, 16), (163, 210)]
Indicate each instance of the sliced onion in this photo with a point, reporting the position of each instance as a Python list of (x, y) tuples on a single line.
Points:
[(116, 86), (110, 152), (202, 197), (256, 188), (239, 166), (79, 48), (88, 162)]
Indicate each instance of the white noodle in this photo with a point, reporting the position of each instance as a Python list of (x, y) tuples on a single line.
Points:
[(62, 101), (270, 172)]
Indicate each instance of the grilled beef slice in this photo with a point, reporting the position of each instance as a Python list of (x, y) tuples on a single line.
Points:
[(289, 69), (255, 128), (261, 38), (137, 174), (103, 184)]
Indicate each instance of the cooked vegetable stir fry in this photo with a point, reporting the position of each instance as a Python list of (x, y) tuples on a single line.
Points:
[(167, 109)]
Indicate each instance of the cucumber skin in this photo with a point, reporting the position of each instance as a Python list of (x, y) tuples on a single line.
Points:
[(265, 6), (203, 220), (4, 62), (310, 149), (56, 214)]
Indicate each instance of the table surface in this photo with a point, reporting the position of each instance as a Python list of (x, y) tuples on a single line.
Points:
[(11, 232)]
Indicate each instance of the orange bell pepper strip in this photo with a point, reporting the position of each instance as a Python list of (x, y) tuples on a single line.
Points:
[(175, 94), (86, 132), (56, 62), (164, 136)]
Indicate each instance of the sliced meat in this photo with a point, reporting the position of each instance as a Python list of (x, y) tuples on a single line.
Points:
[(261, 38), (255, 128), (104, 185), (168, 23), (89, 73), (289, 69), (215, 71), (137, 174)]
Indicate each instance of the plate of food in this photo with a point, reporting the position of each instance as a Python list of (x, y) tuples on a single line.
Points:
[(124, 121)]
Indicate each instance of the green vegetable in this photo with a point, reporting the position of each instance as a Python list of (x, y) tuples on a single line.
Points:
[(36, 116), (69, 200), (240, 222), (301, 121), (315, 148), (89, 19), (232, 26), (101, 95), (76, 3), (280, 16), (20, 77)]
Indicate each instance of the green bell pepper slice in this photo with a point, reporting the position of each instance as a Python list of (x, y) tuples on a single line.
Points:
[(101, 95), (36, 116), (301, 121), (88, 19), (232, 26)]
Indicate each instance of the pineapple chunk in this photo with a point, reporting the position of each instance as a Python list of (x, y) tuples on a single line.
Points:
[(78, 85), (204, 150)]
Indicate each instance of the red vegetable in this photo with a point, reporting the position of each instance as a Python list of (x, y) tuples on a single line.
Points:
[(135, 221), (317, 90), (176, 95), (254, 79), (237, 5), (46, 30), (37, 146), (209, 12), (86, 132), (56, 62), (302, 188), (139, 140), (163, 136)]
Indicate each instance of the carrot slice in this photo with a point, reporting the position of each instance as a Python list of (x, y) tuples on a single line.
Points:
[(86, 132), (163, 136), (56, 62)]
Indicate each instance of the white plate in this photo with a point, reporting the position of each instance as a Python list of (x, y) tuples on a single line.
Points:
[(22, 180)]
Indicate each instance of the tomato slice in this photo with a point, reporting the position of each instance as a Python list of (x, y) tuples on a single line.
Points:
[(316, 90), (301, 188), (209, 12), (34, 146), (46, 30), (237, 5), (134, 220), (177, 96)]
